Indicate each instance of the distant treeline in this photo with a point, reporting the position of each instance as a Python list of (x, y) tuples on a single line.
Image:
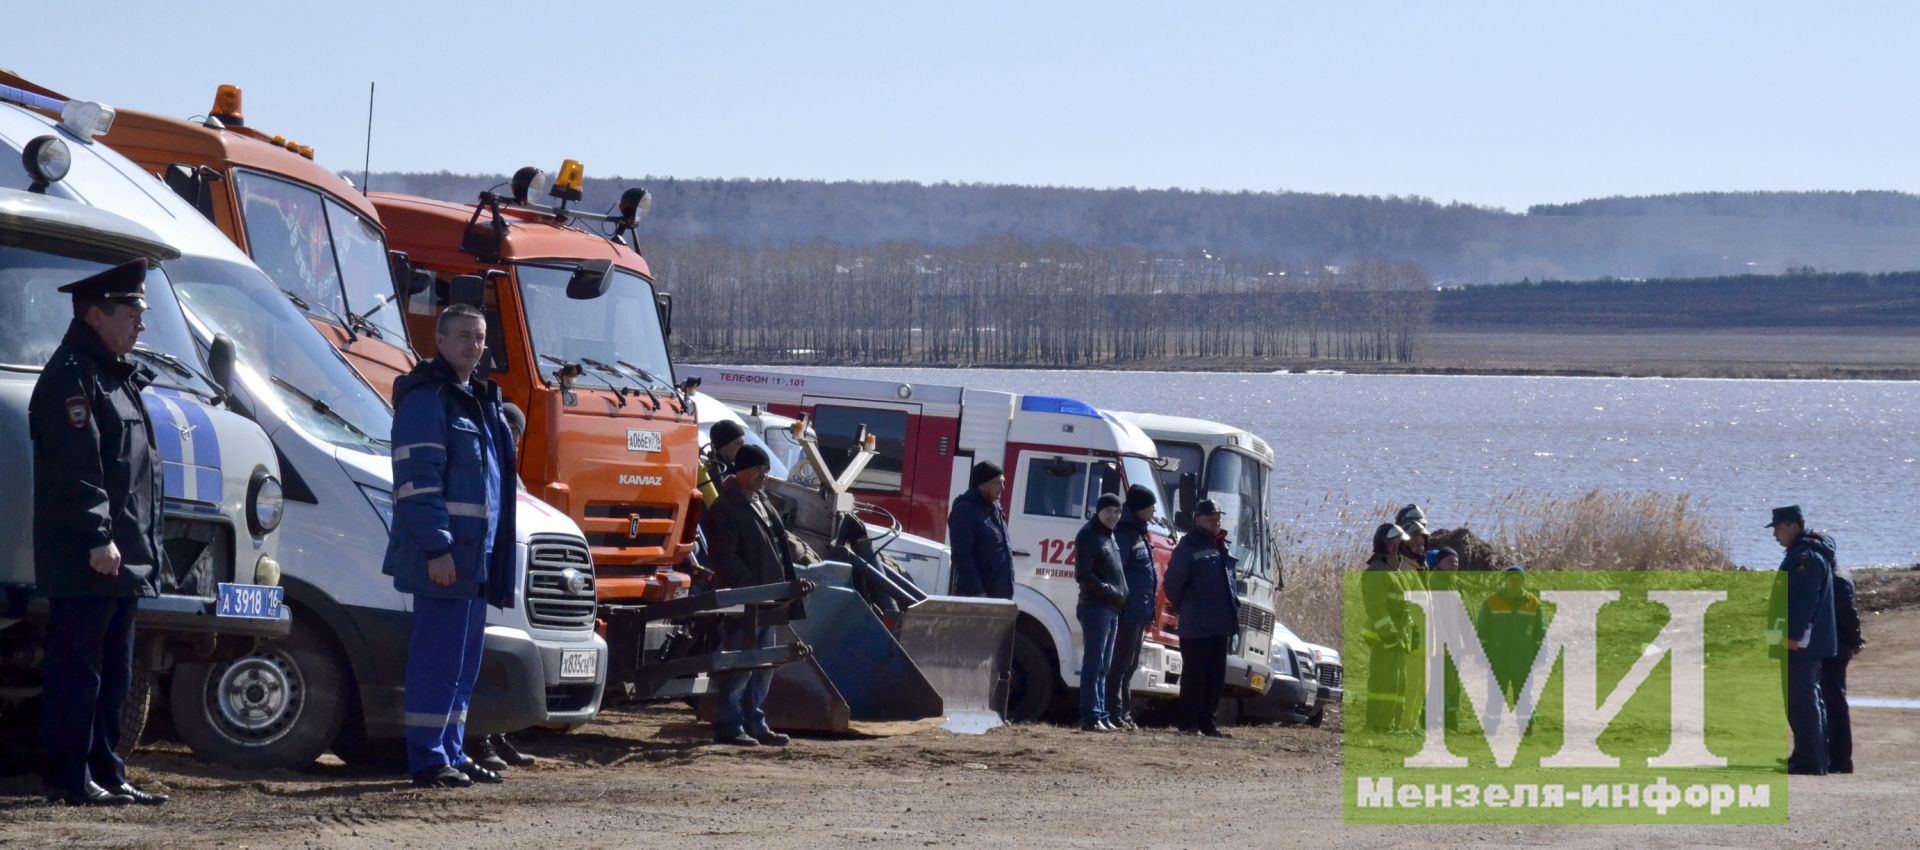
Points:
[(1013, 302), (1799, 300), (1667, 236)]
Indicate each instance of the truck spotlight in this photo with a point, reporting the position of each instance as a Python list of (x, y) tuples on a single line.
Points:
[(47, 160), (527, 182), (306, 151), (567, 184), (633, 202), (226, 106)]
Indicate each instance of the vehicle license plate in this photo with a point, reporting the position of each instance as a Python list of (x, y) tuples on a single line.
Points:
[(579, 663), (252, 601), (643, 441)]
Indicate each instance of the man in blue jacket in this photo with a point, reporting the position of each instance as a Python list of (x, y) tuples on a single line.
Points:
[(977, 536), (1143, 596), (1200, 580), (452, 540), (1810, 637)]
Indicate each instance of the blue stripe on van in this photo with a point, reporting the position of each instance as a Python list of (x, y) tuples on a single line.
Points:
[(166, 432), (206, 447)]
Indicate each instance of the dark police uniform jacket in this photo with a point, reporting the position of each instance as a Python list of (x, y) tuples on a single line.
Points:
[(1809, 568), (96, 474)]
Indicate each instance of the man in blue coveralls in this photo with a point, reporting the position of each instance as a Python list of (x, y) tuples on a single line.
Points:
[(452, 540)]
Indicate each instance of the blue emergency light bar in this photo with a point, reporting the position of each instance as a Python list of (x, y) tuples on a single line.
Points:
[(1057, 404), (84, 119)]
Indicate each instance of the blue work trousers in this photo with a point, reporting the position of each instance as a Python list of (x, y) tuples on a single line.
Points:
[(443, 663)]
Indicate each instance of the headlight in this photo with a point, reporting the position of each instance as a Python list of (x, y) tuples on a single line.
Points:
[(382, 502), (266, 504)]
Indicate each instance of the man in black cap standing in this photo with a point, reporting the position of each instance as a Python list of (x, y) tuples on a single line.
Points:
[(977, 536), (1143, 597), (749, 547), (1833, 674), (1200, 587), (96, 533), (1809, 635)]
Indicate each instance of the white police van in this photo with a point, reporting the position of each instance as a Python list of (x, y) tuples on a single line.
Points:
[(337, 681), (221, 492)]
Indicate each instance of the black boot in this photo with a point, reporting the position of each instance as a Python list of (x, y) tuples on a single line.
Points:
[(511, 754), (484, 754)]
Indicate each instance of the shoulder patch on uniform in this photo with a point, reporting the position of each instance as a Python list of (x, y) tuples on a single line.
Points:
[(79, 412)]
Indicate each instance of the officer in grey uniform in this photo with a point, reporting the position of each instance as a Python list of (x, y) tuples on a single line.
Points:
[(1810, 637), (96, 533)]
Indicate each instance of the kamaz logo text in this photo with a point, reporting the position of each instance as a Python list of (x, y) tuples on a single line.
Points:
[(642, 480)]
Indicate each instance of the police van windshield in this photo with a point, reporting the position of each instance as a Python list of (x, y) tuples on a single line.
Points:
[(36, 315), (324, 395), (320, 251), (620, 329)]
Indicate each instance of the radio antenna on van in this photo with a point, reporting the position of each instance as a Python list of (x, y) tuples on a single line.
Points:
[(366, 165)]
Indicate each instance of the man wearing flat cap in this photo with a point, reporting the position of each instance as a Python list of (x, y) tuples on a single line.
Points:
[(96, 533), (1809, 634), (977, 536)]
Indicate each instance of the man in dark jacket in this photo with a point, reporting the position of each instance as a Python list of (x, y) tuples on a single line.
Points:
[(1103, 592), (1200, 585), (977, 536), (1143, 596), (747, 547), (724, 441), (1810, 637), (1833, 673), (96, 533), (453, 537)]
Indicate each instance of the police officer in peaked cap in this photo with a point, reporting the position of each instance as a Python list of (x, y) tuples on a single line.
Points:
[(96, 533), (1809, 635)]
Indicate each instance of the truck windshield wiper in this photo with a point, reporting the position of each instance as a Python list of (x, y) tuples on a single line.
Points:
[(382, 302), (350, 323), (624, 377), (619, 395), (648, 375), (325, 408)]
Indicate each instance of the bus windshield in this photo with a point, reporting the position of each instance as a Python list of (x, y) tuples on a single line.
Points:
[(1238, 483)]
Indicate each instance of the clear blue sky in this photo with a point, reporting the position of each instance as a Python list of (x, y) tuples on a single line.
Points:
[(1498, 103)]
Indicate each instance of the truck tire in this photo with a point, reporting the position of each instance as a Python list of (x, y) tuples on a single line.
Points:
[(1034, 681), (133, 714), (279, 706)]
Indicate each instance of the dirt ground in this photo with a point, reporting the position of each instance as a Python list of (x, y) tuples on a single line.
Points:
[(646, 779)]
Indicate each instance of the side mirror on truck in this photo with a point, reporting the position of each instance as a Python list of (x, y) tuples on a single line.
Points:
[(663, 304), (590, 280), (468, 289), (412, 280), (220, 359)]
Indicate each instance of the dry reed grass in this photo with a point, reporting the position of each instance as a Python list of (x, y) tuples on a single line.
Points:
[(1595, 531)]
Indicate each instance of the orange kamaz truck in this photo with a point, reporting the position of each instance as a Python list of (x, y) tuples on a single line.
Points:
[(578, 338)]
